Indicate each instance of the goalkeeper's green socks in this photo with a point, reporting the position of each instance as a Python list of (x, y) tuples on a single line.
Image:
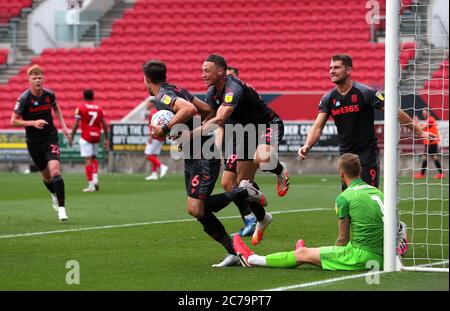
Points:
[(281, 260)]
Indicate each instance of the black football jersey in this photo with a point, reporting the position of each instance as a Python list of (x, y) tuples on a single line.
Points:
[(31, 107), (249, 108), (353, 114)]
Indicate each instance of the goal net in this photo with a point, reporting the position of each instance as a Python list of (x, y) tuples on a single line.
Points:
[(422, 169)]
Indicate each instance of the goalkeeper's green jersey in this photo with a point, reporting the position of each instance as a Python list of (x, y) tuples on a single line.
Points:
[(363, 204)]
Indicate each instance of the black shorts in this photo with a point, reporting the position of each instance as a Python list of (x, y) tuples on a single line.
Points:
[(44, 151), (431, 149), (270, 133), (200, 177), (370, 164)]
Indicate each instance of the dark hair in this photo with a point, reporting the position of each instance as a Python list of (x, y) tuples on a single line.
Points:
[(155, 71), (88, 94), (218, 60), (346, 59), (234, 69), (349, 163)]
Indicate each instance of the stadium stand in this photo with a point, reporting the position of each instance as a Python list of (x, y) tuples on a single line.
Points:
[(277, 46), (3, 56), (435, 91), (9, 9)]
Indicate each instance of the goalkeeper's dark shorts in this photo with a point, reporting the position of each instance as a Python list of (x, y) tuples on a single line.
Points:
[(431, 149), (200, 177)]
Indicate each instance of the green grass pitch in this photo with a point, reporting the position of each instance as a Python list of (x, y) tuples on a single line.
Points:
[(160, 247)]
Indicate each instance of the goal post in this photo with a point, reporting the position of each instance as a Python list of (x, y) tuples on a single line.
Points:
[(416, 79)]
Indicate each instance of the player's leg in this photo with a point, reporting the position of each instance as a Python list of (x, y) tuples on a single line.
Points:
[(87, 152), (89, 171), (370, 165), (246, 171), (54, 171), (433, 151), (266, 155), (288, 259), (424, 158), (200, 177), (229, 182), (37, 155), (156, 146), (95, 179)]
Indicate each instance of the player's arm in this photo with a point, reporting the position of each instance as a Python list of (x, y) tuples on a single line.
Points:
[(59, 115), (105, 133), (74, 130), (184, 110), (313, 134), (343, 231), (16, 117), (17, 121), (406, 120), (203, 108)]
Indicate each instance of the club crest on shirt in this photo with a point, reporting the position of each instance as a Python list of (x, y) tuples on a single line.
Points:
[(36, 103), (379, 95), (166, 99), (229, 97)]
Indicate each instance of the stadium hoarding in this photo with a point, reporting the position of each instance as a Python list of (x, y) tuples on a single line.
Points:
[(13, 148), (132, 137)]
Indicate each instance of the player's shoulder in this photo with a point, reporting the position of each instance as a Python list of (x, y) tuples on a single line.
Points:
[(363, 88), (234, 84), (24, 95), (328, 96), (48, 92)]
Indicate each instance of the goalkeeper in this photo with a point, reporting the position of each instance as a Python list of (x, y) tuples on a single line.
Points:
[(359, 207)]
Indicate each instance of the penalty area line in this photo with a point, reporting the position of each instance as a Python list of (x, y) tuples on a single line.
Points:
[(145, 224)]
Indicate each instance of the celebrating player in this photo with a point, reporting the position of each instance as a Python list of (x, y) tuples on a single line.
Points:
[(153, 148), (239, 103), (33, 110), (351, 105), (360, 230), (229, 175), (200, 174), (431, 146), (92, 121)]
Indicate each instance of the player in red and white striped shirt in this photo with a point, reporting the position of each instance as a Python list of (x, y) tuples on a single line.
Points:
[(92, 121)]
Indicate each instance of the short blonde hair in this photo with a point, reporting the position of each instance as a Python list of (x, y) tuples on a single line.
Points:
[(349, 164), (35, 70)]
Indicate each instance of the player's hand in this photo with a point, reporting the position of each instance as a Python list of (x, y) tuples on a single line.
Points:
[(67, 136), (70, 143), (428, 135), (39, 124), (106, 144), (158, 132), (303, 151)]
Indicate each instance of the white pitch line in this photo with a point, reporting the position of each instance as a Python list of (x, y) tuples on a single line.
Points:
[(146, 223), (343, 278)]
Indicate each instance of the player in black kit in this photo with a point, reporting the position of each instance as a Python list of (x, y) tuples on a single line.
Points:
[(259, 130), (33, 110), (200, 173), (351, 105)]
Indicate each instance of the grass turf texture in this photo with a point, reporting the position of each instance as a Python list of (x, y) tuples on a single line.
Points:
[(171, 255)]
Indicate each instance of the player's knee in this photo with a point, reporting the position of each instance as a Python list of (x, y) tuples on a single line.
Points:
[(227, 185), (195, 211)]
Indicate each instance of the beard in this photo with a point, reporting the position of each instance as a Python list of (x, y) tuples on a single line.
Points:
[(151, 92)]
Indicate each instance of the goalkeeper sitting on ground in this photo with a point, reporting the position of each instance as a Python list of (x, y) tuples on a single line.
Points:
[(359, 207)]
